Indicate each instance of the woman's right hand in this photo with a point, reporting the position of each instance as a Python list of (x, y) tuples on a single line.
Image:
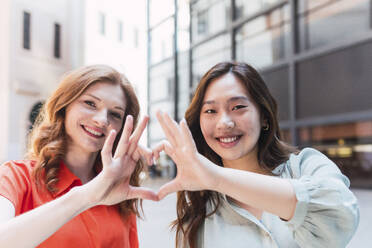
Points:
[(112, 184)]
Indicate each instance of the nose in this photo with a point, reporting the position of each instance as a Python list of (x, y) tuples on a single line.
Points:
[(225, 122), (101, 118)]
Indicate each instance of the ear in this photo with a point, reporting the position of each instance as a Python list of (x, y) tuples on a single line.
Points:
[(265, 125), (264, 122)]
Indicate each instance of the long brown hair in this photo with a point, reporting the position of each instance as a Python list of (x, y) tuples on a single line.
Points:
[(48, 139), (191, 205)]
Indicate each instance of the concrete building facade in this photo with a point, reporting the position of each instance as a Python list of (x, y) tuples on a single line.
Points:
[(41, 40)]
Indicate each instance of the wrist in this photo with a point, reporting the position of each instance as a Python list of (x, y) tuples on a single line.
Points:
[(85, 195), (213, 174)]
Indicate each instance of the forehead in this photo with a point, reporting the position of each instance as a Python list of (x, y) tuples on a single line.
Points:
[(107, 92), (226, 86)]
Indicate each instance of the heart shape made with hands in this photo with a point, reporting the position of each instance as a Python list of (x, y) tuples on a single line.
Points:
[(193, 170)]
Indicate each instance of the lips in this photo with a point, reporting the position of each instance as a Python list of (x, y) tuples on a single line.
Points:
[(94, 132)]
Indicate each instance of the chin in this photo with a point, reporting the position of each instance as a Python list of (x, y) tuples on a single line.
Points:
[(93, 147), (229, 157)]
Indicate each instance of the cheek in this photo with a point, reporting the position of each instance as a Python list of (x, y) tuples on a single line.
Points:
[(206, 127)]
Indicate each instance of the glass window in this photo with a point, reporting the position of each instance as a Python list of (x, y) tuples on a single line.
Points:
[(120, 31), (323, 22), (161, 81), (208, 17), (155, 130), (102, 23), (162, 41), (183, 23), (246, 8), (277, 80), (208, 54), (183, 83), (26, 30), (349, 145), (265, 39), (57, 40)]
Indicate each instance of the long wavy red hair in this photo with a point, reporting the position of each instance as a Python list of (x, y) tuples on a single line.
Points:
[(48, 140)]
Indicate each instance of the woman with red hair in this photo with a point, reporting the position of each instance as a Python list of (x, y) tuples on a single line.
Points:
[(80, 185)]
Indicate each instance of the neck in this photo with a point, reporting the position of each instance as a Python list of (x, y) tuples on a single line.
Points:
[(81, 165)]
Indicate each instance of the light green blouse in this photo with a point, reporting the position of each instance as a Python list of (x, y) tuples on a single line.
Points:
[(326, 214)]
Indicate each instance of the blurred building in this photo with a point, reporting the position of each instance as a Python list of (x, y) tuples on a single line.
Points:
[(315, 56), (41, 40)]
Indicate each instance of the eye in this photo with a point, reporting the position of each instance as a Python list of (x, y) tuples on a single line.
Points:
[(90, 103), (209, 111), (238, 107), (116, 115)]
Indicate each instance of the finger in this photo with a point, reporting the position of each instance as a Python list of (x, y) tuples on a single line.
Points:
[(167, 131), (137, 135), (186, 133), (168, 188), (124, 139), (174, 128), (168, 149), (158, 148), (143, 193), (106, 152), (136, 155), (146, 153)]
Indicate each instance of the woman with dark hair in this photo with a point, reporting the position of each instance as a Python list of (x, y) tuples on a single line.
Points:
[(82, 154), (239, 184)]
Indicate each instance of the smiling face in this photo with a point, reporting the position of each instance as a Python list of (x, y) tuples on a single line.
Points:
[(230, 121), (92, 115)]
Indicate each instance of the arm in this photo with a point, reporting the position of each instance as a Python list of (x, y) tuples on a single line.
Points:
[(33, 227), (195, 172), (321, 210), (271, 194), (109, 187)]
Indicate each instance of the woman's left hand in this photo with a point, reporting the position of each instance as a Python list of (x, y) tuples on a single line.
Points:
[(194, 171)]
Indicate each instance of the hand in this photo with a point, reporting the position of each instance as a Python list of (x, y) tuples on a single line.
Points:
[(194, 171), (145, 154), (112, 184)]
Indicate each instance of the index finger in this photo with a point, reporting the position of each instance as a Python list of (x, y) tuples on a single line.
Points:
[(186, 133), (169, 131), (137, 135), (124, 139)]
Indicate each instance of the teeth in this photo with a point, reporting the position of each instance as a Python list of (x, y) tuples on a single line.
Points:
[(228, 140), (93, 131)]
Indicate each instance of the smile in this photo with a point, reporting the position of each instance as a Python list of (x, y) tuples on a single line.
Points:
[(229, 141), (92, 132)]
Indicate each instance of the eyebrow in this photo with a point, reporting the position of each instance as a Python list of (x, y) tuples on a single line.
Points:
[(232, 99), (99, 99)]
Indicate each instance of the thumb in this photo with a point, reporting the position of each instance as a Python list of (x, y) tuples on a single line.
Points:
[(168, 188), (143, 193), (145, 153), (106, 152)]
